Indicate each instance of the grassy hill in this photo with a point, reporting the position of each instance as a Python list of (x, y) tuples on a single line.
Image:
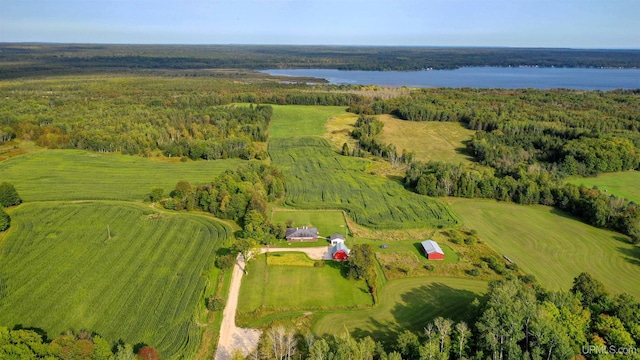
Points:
[(83, 175), (121, 270), (552, 245)]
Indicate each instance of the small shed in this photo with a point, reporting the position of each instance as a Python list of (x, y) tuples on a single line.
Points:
[(432, 250), (340, 252), (301, 234), (335, 239)]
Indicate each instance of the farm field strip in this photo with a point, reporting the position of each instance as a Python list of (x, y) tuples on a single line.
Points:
[(301, 120), (83, 175), (144, 284), (552, 245), (319, 178)]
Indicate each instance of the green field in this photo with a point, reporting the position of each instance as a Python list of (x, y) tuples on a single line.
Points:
[(83, 175), (552, 245), (407, 304), (283, 288), (301, 120), (316, 177), (428, 140), (328, 222), (60, 270), (622, 184)]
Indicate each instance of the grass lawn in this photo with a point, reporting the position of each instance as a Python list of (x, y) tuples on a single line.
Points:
[(60, 270), (301, 120), (552, 245), (267, 289), (429, 140), (83, 175), (328, 222), (621, 184), (406, 304)]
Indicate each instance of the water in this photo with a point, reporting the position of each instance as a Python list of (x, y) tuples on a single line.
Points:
[(481, 77)]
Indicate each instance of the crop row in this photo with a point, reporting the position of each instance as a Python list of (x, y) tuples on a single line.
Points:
[(318, 178)]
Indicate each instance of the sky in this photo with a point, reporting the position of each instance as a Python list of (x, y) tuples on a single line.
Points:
[(510, 23)]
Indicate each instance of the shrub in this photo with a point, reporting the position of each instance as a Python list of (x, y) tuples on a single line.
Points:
[(429, 267), (215, 303), (8, 195), (473, 272), (318, 264), (226, 261), (470, 241), (5, 220)]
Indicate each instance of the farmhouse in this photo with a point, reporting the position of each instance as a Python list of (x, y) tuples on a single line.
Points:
[(335, 239), (301, 234), (432, 250), (340, 252)]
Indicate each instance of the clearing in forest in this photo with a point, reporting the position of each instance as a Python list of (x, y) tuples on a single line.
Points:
[(301, 120), (621, 184), (552, 245), (429, 140), (122, 270)]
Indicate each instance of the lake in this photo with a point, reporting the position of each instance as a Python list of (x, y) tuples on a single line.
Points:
[(481, 77)]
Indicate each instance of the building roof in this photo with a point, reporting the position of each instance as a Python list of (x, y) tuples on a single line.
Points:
[(336, 236), (303, 232), (431, 247), (340, 246)]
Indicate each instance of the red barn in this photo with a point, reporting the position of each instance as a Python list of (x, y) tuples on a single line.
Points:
[(340, 252), (432, 250)]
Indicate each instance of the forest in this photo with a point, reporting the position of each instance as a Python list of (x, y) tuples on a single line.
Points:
[(20, 60)]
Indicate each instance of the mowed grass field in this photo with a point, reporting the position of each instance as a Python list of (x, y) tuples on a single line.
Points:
[(328, 222), (298, 287), (407, 304), (429, 140), (60, 270), (621, 184), (552, 245), (83, 175), (301, 120), (316, 177)]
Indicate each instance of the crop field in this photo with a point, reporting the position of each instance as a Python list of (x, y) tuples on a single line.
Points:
[(269, 288), (301, 120), (407, 304), (328, 222), (121, 270), (429, 140), (83, 175), (552, 245), (621, 184), (318, 178)]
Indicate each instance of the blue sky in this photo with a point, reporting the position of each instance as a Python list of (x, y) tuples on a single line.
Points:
[(516, 23)]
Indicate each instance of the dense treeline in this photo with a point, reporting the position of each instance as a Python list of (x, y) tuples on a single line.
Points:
[(533, 187), (22, 343), (192, 118), (515, 321), (8, 197), (240, 195), (37, 59)]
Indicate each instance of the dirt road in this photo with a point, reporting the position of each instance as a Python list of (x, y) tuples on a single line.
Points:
[(233, 338)]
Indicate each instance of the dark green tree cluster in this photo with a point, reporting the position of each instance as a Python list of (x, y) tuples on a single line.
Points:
[(33, 344), (362, 265), (8, 197), (240, 195), (367, 130)]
